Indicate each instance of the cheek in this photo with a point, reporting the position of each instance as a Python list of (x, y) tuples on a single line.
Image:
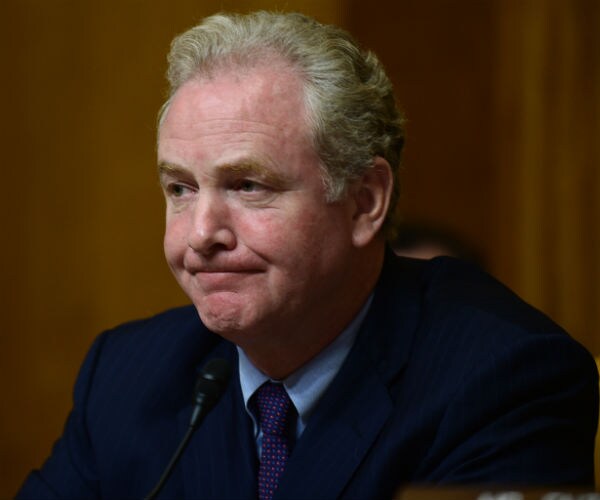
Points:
[(289, 239), (275, 233), (262, 237), (174, 242)]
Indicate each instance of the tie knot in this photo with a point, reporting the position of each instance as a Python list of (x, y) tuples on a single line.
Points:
[(273, 405)]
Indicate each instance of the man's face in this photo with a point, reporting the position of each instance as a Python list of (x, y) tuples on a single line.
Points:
[(249, 234)]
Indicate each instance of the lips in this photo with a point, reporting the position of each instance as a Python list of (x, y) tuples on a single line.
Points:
[(222, 280), (222, 263), (223, 271)]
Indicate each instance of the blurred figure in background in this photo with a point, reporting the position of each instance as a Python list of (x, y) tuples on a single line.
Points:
[(423, 240)]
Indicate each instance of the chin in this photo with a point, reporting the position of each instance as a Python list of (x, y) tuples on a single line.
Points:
[(223, 319)]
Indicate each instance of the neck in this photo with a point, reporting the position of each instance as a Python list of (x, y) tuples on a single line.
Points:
[(280, 355)]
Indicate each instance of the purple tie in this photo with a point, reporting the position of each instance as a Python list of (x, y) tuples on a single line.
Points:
[(274, 411)]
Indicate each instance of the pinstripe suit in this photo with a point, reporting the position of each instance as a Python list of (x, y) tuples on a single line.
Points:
[(452, 379)]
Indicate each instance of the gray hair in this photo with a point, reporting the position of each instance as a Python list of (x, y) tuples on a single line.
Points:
[(349, 98)]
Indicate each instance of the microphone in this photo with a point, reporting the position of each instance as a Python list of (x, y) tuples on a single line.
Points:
[(210, 386)]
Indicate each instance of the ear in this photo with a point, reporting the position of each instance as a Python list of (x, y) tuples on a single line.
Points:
[(371, 194)]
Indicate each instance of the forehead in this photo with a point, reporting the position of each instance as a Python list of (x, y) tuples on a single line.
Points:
[(239, 116), (270, 93)]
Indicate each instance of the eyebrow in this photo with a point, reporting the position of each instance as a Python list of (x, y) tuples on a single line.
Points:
[(243, 168), (164, 167)]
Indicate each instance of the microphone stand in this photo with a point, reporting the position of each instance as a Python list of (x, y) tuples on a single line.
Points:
[(210, 386)]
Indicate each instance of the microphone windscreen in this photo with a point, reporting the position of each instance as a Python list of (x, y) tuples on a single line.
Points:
[(217, 369), (211, 383)]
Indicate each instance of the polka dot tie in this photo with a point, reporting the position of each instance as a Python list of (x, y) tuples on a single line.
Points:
[(274, 411)]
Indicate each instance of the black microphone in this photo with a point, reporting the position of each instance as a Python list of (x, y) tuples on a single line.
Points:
[(210, 386)]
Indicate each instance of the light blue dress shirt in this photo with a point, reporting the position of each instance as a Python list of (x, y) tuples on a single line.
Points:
[(306, 385)]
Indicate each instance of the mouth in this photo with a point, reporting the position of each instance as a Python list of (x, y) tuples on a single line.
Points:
[(223, 279)]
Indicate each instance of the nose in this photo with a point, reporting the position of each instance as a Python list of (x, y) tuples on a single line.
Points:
[(211, 228)]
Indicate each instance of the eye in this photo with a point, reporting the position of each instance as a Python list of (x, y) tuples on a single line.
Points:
[(248, 186), (177, 190), (256, 193)]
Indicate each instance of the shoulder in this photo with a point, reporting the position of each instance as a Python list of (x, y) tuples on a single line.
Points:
[(178, 319), (503, 382), (175, 329), (156, 352), (450, 292), (449, 313)]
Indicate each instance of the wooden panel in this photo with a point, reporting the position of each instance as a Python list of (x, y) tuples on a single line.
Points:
[(439, 56), (548, 157), (503, 126)]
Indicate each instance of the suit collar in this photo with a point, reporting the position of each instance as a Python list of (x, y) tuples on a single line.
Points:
[(391, 325)]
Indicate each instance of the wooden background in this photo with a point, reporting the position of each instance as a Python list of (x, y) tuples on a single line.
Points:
[(503, 105)]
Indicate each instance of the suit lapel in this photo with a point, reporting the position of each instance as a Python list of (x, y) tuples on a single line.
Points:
[(337, 437), (356, 406)]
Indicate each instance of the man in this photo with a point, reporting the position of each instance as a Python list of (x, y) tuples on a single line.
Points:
[(353, 371)]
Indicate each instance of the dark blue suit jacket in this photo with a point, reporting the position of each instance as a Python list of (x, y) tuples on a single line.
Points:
[(452, 379)]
